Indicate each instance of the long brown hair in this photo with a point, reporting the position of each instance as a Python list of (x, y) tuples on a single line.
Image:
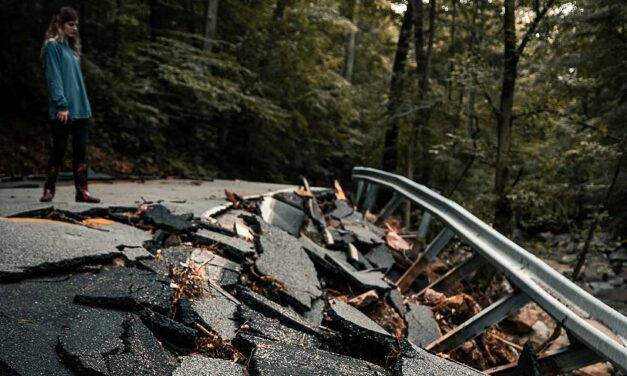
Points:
[(55, 30)]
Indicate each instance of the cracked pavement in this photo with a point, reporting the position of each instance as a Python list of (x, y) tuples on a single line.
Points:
[(145, 284)]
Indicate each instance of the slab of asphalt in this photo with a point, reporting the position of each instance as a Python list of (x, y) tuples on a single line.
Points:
[(180, 196), (283, 257), (282, 359), (31, 248)]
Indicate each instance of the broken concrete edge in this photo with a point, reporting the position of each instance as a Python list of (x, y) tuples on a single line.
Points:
[(220, 209), (174, 334), (64, 266), (273, 310)]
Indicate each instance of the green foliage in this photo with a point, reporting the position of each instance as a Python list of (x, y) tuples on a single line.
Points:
[(270, 102)]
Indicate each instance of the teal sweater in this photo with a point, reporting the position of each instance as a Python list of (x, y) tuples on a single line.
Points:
[(66, 88)]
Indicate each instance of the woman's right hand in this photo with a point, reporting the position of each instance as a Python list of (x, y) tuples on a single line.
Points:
[(62, 116)]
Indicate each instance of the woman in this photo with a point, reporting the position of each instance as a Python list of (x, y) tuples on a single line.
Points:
[(68, 106)]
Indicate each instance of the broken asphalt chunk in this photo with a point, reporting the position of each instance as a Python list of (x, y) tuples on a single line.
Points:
[(127, 288), (273, 310), (381, 257), (281, 359), (218, 270), (25, 350), (316, 314), (204, 366), (160, 217), (172, 333), (365, 280), (260, 328), (292, 199), (282, 257), (344, 210), (396, 300), (317, 253), (363, 234), (422, 363), (112, 343), (282, 215), (234, 248), (422, 329), (353, 321), (29, 249), (216, 311)]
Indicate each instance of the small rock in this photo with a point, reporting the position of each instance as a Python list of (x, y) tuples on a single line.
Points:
[(364, 299), (422, 329)]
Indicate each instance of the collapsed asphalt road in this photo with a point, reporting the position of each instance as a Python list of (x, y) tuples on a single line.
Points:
[(258, 287)]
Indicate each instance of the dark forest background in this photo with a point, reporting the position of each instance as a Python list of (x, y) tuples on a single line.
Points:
[(516, 109)]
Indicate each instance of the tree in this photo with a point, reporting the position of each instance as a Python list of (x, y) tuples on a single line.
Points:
[(504, 115), (390, 148)]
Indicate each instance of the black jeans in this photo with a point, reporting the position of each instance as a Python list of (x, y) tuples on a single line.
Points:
[(60, 133)]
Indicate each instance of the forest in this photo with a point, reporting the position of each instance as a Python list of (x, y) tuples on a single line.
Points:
[(514, 109)]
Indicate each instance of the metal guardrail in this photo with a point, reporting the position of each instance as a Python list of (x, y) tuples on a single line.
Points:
[(587, 320)]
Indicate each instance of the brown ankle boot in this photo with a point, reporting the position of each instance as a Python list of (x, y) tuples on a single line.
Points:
[(80, 182), (51, 184)]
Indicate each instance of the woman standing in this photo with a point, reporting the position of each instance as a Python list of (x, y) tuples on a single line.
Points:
[(68, 106)]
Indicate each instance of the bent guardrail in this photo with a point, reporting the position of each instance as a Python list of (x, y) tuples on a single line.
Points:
[(599, 328)]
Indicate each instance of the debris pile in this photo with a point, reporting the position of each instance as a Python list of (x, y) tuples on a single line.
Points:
[(297, 282)]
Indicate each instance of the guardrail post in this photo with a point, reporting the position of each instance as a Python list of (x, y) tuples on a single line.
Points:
[(474, 326), (360, 192), (371, 197), (389, 208), (425, 221), (559, 361), (436, 246), (447, 280)]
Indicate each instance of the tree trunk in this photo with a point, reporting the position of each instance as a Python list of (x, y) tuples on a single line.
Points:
[(350, 47), (423, 60), (503, 212), (116, 28), (211, 24), (390, 150), (452, 50), (426, 131), (512, 53), (279, 10), (152, 5)]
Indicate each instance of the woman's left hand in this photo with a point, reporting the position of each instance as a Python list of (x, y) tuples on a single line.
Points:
[(63, 116)]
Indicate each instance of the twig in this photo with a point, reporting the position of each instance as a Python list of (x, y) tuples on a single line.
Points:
[(506, 341), (205, 331)]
